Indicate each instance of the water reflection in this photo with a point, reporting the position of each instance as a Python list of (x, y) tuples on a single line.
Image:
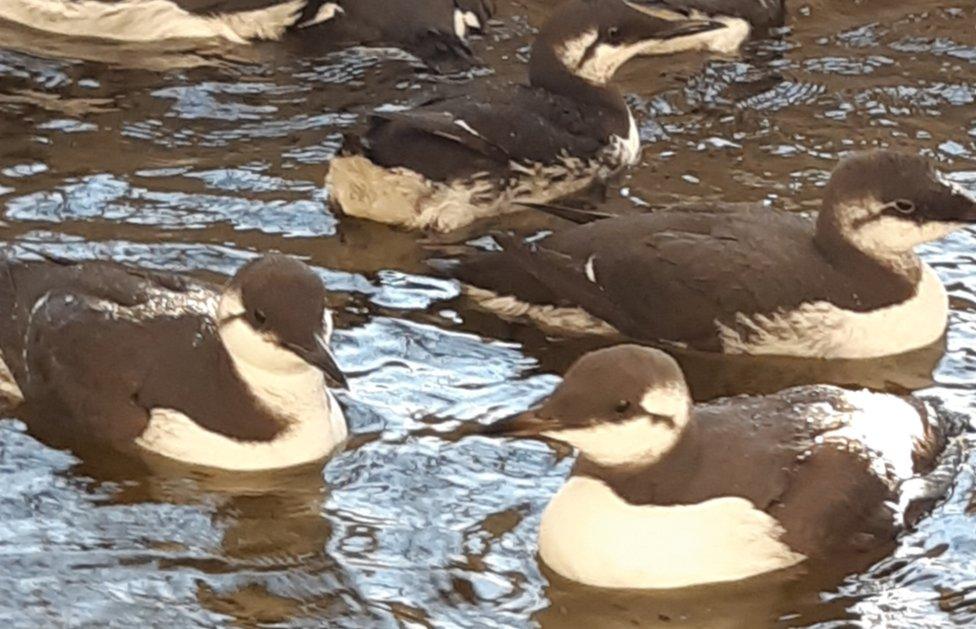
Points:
[(195, 160)]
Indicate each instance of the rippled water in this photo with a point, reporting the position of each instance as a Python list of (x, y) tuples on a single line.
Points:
[(198, 159)]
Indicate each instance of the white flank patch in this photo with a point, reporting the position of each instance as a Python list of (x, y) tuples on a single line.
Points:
[(888, 428), (148, 20), (552, 319), (399, 196), (822, 330), (10, 394), (325, 13), (592, 536), (283, 383)]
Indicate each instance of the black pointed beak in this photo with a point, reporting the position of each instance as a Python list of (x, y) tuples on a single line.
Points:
[(684, 28), (955, 203), (317, 353), (527, 424), (666, 23)]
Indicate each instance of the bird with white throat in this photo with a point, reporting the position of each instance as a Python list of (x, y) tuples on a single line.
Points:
[(666, 494), (723, 278), (233, 377), (453, 161)]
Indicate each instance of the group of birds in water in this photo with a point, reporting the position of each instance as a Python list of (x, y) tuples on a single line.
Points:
[(664, 493)]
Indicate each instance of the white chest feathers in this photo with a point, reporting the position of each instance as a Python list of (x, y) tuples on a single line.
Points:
[(592, 536), (822, 330), (311, 438), (282, 383)]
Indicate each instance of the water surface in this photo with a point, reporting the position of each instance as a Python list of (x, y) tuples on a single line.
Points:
[(189, 159)]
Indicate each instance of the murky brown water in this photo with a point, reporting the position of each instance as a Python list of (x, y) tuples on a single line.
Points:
[(186, 159)]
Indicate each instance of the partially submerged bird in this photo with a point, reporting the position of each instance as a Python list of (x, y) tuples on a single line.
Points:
[(434, 30), (667, 494), (847, 285), (450, 162), (233, 377), (741, 18)]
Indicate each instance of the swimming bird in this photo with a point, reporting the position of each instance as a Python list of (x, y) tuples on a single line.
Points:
[(741, 18), (450, 162), (233, 377), (706, 277), (436, 31), (667, 494)]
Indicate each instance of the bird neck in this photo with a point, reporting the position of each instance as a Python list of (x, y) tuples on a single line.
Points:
[(838, 240), (604, 104), (655, 483)]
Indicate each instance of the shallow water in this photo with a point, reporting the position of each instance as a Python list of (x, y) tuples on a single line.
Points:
[(197, 159)]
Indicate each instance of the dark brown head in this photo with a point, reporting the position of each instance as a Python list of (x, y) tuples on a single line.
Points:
[(273, 314), (887, 202), (591, 39), (621, 406)]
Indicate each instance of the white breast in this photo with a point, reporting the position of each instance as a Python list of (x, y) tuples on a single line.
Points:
[(148, 20), (313, 437), (592, 536), (822, 330)]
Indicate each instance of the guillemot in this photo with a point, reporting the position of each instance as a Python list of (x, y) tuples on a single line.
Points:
[(848, 285), (450, 162), (667, 494), (231, 377), (741, 18), (436, 31)]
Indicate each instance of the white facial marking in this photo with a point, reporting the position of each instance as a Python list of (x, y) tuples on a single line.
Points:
[(149, 20), (671, 400), (571, 52), (640, 440), (325, 13), (822, 330), (605, 60), (630, 442), (249, 346), (883, 236), (590, 535)]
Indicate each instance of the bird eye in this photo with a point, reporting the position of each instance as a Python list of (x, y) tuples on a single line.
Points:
[(622, 406), (904, 206), (260, 317), (613, 33)]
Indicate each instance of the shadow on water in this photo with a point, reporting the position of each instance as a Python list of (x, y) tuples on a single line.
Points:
[(195, 159)]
